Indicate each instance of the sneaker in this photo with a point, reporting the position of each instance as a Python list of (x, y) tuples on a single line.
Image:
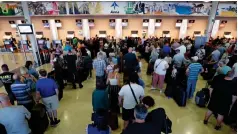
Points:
[(205, 122), (52, 124), (74, 86), (217, 127), (57, 122), (152, 88), (161, 91), (81, 86)]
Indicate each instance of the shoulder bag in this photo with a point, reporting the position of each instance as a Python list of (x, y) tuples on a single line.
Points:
[(133, 94)]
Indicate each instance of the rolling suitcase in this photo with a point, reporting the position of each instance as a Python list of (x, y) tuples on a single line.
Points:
[(39, 120), (180, 96), (113, 120)]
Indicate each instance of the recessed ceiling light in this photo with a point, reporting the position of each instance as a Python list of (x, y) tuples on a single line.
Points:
[(206, 1)]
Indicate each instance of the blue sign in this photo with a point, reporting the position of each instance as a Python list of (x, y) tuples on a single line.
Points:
[(114, 4)]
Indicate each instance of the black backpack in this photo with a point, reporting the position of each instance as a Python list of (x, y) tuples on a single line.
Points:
[(202, 97)]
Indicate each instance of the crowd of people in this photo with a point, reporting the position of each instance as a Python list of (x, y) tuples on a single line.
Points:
[(176, 62)]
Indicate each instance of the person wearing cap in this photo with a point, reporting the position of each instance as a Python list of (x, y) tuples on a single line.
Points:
[(193, 70)]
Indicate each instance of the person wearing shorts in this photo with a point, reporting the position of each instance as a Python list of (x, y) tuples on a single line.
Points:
[(126, 97), (47, 89)]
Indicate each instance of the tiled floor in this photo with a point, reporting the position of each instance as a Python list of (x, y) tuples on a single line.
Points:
[(76, 107)]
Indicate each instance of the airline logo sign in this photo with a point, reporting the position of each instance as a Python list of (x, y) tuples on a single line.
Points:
[(115, 7)]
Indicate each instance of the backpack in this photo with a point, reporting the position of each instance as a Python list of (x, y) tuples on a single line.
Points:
[(94, 130), (30, 83), (202, 97)]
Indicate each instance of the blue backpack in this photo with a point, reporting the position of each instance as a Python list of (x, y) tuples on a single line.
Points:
[(94, 130)]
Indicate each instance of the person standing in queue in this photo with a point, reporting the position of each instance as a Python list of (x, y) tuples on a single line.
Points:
[(130, 63), (71, 58), (7, 79), (47, 89), (128, 100)]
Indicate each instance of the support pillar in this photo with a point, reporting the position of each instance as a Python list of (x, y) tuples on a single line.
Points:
[(211, 19), (53, 29), (118, 29), (183, 29), (215, 28), (86, 29), (151, 27), (32, 37)]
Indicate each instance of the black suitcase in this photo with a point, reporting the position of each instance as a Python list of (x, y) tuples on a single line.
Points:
[(39, 120), (169, 90), (180, 94), (113, 120)]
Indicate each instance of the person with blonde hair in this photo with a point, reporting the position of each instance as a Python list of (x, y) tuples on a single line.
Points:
[(27, 78)]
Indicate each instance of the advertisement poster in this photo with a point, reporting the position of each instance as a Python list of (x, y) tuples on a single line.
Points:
[(11, 9), (119, 7)]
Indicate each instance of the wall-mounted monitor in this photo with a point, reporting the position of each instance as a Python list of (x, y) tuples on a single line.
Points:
[(166, 33), (145, 23), (39, 35), (79, 23), (8, 33), (102, 34), (25, 28), (91, 22), (228, 35), (45, 23), (12, 24), (191, 21), (7, 42), (58, 23), (178, 23), (40, 42), (134, 33), (23, 21), (223, 21), (112, 22), (196, 33), (57, 41), (158, 22), (124, 22), (70, 34)]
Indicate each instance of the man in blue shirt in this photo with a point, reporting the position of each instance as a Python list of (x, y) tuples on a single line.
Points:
[(22, 92), (193, 70), (48, 90), (166, 48)]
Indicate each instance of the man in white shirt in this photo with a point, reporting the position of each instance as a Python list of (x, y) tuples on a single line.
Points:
[(129, 101), (182, 49), (13, 117)]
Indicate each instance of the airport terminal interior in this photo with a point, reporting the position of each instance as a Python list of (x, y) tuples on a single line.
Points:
[(34, 31)]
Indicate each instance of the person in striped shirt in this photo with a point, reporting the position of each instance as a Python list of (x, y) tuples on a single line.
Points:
[(22, 92), (193, 70)]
